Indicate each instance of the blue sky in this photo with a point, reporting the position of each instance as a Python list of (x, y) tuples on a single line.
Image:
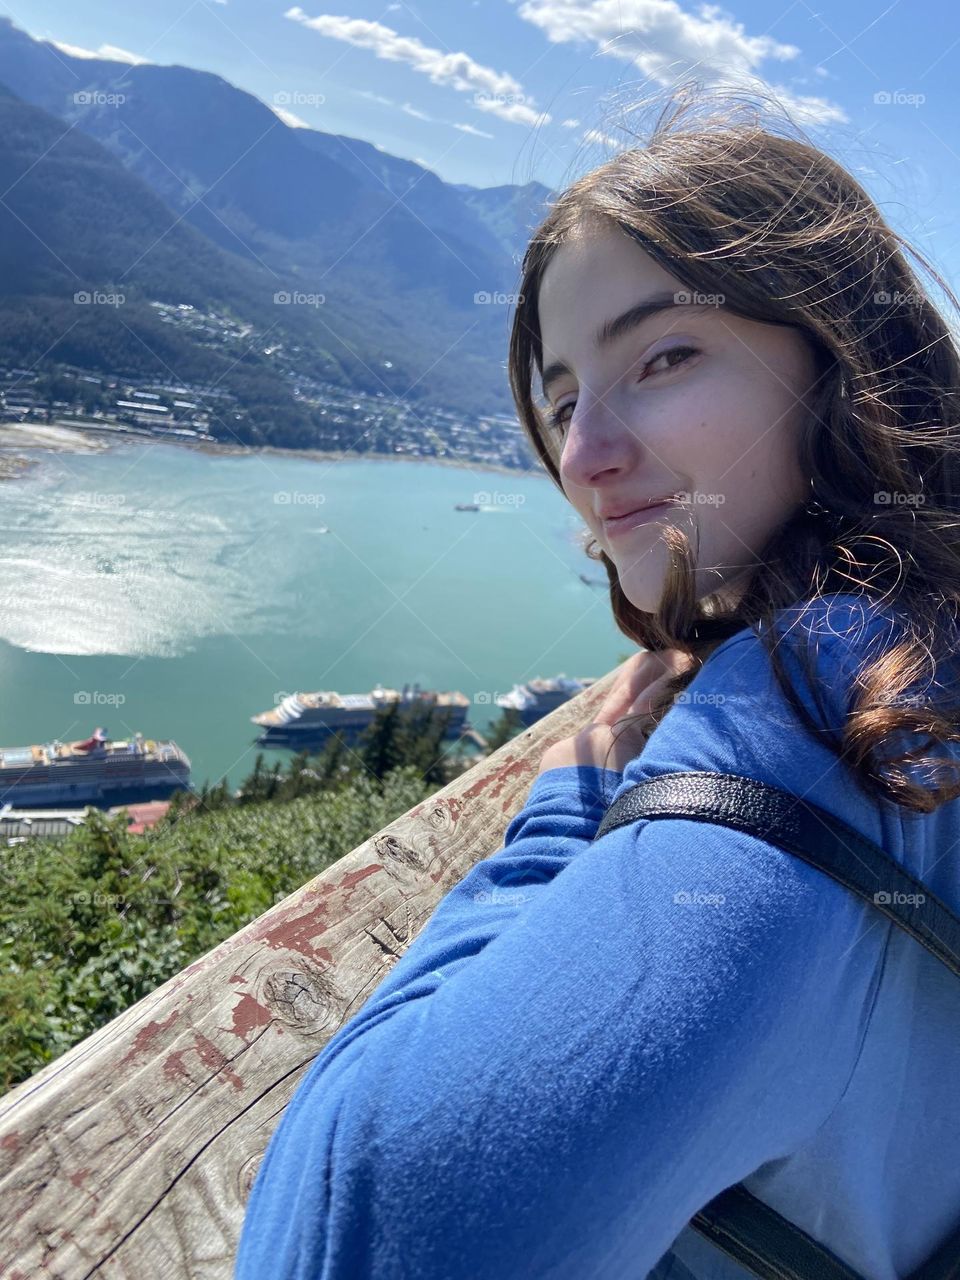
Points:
[(497, 91)]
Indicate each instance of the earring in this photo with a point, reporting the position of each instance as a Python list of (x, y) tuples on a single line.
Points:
[(833, 519), (814, 507)]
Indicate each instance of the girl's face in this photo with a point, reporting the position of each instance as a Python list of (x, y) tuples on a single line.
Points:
[(692, 401)]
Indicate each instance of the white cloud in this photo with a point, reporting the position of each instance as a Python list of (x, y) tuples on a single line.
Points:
[(570, 124), (375, 97), (477, 133), (494, 91), (666, 43), (108, 52), (420, 115), (810, 110), (288, 118), (594, 135)]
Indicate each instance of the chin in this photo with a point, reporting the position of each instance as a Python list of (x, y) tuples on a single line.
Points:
[(642, 589), (642, 575)]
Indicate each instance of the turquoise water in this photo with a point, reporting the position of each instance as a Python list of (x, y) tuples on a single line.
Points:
[(161, 589)]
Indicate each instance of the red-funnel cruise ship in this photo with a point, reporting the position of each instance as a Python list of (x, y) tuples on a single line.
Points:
[(92, 770)]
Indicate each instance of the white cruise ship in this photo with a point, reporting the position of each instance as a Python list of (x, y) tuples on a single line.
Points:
[(302, 719), (538, 697), (90, 771)]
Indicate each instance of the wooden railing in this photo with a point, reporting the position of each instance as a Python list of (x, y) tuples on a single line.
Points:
[(132, 1155)]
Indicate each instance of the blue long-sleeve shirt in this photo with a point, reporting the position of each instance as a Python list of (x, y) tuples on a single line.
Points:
[(588, 1041)]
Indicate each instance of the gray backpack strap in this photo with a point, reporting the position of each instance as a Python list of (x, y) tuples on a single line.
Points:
[(740, 1224)]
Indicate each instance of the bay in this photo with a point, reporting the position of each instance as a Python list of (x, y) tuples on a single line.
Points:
[(159, 588)]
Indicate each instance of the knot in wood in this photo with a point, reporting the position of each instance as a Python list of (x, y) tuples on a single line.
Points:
[(302, 998), (440, 818), (400, 858), (247, 1175)]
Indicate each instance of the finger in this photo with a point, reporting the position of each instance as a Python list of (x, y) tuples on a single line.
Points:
[(637, 673)]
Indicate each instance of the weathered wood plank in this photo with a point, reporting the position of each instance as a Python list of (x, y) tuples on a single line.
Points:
[(132, 1155)]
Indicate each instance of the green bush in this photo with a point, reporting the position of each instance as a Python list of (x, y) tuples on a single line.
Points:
[(91, 923)]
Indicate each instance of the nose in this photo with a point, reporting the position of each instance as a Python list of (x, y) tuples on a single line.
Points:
[(598, 439)]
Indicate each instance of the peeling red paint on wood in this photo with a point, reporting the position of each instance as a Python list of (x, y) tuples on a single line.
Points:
[(297, 935), (294, 929), (492, 784), (213, 1058), (142, 1181), (145, 1036), (249, 1015), (355, 877)]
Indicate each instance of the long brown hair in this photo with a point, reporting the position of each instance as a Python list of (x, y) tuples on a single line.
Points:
[(728, 206)]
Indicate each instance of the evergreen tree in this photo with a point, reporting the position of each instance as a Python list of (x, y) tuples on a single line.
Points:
[(334, 763), (379, 745), (506, 727)]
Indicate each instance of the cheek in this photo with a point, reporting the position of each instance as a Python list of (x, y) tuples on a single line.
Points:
[(738, 439)]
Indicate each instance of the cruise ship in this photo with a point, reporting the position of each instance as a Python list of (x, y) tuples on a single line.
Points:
[(538, 697), (91, 771), (306, 719)]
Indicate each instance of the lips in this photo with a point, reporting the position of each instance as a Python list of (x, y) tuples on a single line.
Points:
[(641, 506), (641, 515)]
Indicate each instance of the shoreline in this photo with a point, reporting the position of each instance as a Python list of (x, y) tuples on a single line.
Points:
[(41, 437), (64, 436)]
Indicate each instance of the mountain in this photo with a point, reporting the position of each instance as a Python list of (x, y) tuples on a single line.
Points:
[(511, 214), (398, 255), (86, 247), (438, 204)]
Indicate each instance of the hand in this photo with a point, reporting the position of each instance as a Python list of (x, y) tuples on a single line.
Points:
[(637, 686)]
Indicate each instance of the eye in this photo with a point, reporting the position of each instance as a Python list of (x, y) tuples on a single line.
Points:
[(555, 418)]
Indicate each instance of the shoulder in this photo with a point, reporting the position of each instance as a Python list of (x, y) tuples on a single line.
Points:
[(844, 625), (823, 644), (735, 717)]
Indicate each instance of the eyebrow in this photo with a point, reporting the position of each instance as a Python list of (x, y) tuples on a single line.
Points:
[(613, 329)]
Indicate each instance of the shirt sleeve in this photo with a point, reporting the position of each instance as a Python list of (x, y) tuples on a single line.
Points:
[(675, 1005)]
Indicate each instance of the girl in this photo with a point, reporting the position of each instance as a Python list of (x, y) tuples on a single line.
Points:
[(719, 329)]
